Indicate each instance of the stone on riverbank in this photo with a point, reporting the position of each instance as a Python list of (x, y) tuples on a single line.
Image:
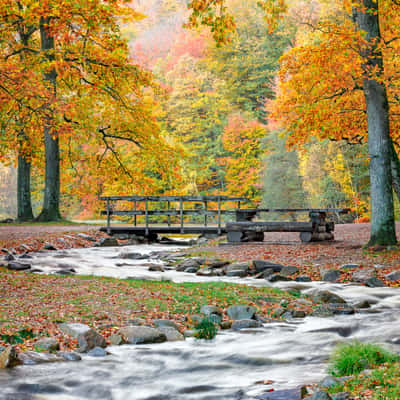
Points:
[(374, 282), (278, 278), (171, 334), (107, 242), (141, 335), (245, 323), (241, 312), (32, 358), (331, 275), (325, 296), (89, 340), (69, 355), (289, 270), (262, 265), (362, 275), (165, 322), (18, 266), (73, 329), (393, 276), (47, 344)]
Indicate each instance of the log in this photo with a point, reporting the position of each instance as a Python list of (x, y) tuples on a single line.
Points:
[(307, 237), (270, 226)]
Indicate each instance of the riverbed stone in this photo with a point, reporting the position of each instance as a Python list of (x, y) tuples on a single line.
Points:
[(47, 344), (108, 242), (133, 256), (262, 265), (320, 395), (189, 262), (89, 340), (69, 355), (298, 314), (328, 382), (86, 237), (303, 278), (189, 333), (73, 329), (97, 352), (192, 270), (289, 270), (49, 246), (362, 275), (325, 296), (215, 263), (237, 272), (18, 266), (393, 276), (171, 334), (331, 275), (362, 304), (142, 335), (285, 394), (116, 340), (32, 358), (226, 325), (9, 357), (237, 266), (237, 312), (374, 282), (278, 278), (245, 323)]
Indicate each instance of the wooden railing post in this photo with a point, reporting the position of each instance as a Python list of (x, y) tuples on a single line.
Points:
[(108, 217), (147, 216), (219, 215), (134, 208), (181, 213), (205, 216), (169, 217)]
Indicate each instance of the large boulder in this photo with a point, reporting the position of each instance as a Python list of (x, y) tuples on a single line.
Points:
[(393, 276), (262, 265), (73, 329), (141, 335), (9, 358), (237, 312), (32, 358), (325, 296), (18, 266), (289, 270), (165, 322), (331, 275), (188, 263)]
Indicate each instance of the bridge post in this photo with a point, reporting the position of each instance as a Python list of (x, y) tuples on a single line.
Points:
[(181, 213), (108, 217), (134, 208), (147, 216), (219, 215), (205, 215), (169, 217)]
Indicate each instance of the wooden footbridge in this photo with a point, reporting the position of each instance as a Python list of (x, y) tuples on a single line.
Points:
[(209, 212)]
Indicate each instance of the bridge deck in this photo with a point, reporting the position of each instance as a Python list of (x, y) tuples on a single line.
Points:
[(141, 230)]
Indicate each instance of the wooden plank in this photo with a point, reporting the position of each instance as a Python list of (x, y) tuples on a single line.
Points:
[(173, 198), (168, 212), (270, 226), (282, 210)]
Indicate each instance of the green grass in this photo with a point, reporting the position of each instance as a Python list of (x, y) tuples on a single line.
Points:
[(206, 329), (352, 358), (382, 384)]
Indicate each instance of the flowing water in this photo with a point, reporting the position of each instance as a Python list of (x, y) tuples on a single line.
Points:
[(289, 353)]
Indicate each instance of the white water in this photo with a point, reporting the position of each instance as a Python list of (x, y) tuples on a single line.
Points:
[(289, 353)]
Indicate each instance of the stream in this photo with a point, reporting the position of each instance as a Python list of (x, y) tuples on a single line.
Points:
[(290, 353)]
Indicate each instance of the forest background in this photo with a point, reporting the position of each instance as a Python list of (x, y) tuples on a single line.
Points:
[(260, 116)]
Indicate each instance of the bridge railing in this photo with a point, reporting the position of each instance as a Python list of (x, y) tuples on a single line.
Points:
[(180, 211)]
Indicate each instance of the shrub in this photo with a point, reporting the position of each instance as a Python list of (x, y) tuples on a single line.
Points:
[(352, 358), (206, 329)]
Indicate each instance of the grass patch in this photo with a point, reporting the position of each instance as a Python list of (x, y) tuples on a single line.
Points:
[(382, 384), (352, 358), (206, 329)]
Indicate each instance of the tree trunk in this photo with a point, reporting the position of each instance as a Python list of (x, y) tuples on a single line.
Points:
[(382, 212), (24, 190), (51, 204), (395, 165)]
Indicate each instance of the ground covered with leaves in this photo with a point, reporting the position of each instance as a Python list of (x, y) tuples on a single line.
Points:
[(287, 249), (33, 305)]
